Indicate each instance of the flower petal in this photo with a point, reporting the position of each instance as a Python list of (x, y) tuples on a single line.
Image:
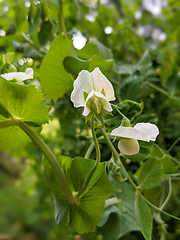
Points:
[(19, 76), (105, 103), (82, 85), (150, 130), (128, 146), (102, 84), (129, 132), (86, 111)]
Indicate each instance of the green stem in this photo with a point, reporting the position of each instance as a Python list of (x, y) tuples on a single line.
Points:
[(171, 147), (51, 158), (8, 123), (111, 201), (98, 157), (89, 151), (158, 209), (62, 26), (157, 88), (169, 195), (110, 145)]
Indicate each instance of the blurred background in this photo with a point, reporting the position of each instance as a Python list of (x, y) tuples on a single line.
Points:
[(128, 28)]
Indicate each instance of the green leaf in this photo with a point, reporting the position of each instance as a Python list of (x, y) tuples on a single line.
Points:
[(84, 216), (104, 65), (119, 219), (79, 181), (151, 173), (131, 109), (131, 88), (8, 57), (104, 52), (172, 84), (144, 64), (75, 65), (87, 51), (145, 151), (52, 3), (23, 102), (55, 80), (45, 33), (144, 217)]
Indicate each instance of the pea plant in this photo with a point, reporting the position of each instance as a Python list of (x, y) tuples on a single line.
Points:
[(120, 179)]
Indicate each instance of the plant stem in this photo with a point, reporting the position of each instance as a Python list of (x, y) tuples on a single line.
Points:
[(171, 147), (51, 158), (111, 201), (157, 88), (62, 26), (89, 151), (169, 195), (98, 158), (8, 123)]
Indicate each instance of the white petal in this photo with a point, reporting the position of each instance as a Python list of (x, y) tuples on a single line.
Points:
[(83, 84), (150, 130), (102, 84), (128, 146), (86, 111), (129, 132), (19, 76), (105, 103)]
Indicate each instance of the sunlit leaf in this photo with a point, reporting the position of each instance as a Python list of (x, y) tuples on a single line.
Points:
[(23, 102), (55, 79), (84, 216)]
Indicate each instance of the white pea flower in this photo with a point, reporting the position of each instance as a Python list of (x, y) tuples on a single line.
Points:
[(90, 3), (93, 91), (128, 143), (19, 76)]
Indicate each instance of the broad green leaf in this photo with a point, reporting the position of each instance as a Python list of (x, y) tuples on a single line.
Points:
[(172, 85), (104, 52), (119, 219), (131, 88), (104, 65), (144, 217), (55, 80), (84, 216), (151, 173), (145, 151), (142, 66), (168, 165), (87, 51), (75, 65), (25, 103), (79, 181)]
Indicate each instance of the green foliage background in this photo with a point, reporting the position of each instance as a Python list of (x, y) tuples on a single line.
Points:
[(145, 73)]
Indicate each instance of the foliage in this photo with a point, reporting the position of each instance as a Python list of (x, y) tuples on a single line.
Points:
[(122, 197)]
